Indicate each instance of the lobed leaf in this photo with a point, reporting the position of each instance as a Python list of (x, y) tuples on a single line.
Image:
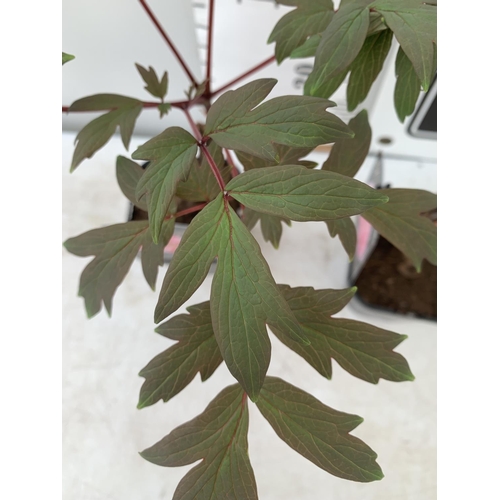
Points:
[(164, 108), (400, 222), (299, 194), (407, 87), (171, 155), (347, 155), (157, 88), (363, 350), (196, 351), (218, 437), (114, 248), (367, 66), (244, 295), (414, 24), (270, 225), (97, 133), (296, 121), (318, 432), (340, 44), (292, 30)]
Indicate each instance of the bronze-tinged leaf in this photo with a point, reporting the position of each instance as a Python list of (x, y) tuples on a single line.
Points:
[(171, 155), (234, 121), (292, 30), (155, 86), (285, 155), (297, 193), (367, 66), (400, 221), (270, 225), (318, 432), (217, 437), (414, 23), (92, 137), (346, 231), (114, 248), (128, 173), (244, 295), (340, 44), (347, 155), (196, 351), (363, 350), (407, 87)]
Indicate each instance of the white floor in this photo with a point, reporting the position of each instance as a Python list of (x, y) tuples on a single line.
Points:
[(103, 430)]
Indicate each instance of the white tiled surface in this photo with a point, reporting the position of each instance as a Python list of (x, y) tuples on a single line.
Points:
[(103, 430)]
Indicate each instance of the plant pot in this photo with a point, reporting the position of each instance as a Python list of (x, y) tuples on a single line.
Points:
[(387, 280)]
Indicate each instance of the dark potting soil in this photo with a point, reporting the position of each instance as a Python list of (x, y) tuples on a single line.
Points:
[(389, 281)]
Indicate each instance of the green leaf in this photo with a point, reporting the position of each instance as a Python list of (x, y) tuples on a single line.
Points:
[(308, 48), (292, 30), (114, 248), (340, 44), (244, 296), (270, 225), (97, 133), (154, 86), (347, 155), (407, 87), (297, 121), (171, 155), (201, 184), (285, 155), (128, 173), (164, 109), (196, 351), (318, 432), (300, 194), (400, 222), (218, 437), (414, 24), (367, 66), (363, 350), (153, 255), (66, 58), (346, 232)]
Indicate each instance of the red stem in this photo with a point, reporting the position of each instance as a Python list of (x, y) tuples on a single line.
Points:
[(205, 151), (213, 166), (195, 129), (175, 104), (210, 45), (196, 208), (169, 42), (244, 75)]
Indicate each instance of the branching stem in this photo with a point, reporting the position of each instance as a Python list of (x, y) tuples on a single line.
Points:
[(169, 42), (213, 166), (244, 75)]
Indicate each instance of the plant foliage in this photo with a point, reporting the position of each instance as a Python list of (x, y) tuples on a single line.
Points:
[(271, 138)]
